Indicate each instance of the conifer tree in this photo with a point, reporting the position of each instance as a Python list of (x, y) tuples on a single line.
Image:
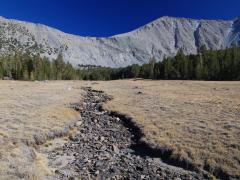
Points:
[(60, 65)]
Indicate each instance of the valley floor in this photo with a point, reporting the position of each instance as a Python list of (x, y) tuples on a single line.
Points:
[(30, 114), (104, 148), (191, 124), (197, 122)]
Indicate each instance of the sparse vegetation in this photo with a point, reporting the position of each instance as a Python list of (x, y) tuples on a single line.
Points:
[(198, 121), (30, 114)]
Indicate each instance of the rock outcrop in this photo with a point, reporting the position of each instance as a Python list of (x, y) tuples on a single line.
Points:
[(160, 38)]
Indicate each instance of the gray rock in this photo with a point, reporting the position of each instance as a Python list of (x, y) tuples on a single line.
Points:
[(79, 123), (162, 37), (115, 149)]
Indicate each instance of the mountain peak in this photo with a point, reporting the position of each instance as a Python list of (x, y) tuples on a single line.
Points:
[(160, 38), (2, 18)]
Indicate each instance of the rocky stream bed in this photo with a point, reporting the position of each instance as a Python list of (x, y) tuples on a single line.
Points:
[(106, 147)]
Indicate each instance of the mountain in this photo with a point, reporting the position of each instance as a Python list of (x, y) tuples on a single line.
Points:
[(160, 38)]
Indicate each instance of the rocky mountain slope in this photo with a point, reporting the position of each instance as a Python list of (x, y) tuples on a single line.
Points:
[(160, 38)]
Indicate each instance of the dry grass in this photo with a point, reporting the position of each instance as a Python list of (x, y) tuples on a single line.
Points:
[(199, 121), (30, 112), (30, 107)]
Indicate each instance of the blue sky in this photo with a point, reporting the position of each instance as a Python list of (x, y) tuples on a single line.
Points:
[(109, 17)]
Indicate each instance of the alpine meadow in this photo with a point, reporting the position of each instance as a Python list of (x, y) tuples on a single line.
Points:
[(135, 95)]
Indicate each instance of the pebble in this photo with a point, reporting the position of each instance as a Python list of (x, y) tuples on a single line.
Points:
[(115, 149), (79, 123), (102, 138)]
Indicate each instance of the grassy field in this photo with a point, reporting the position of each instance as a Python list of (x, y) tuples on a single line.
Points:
[(199, 121), (31, 113)]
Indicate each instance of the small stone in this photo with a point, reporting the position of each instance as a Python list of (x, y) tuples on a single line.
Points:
[(102, 138), (97, 172), (177, 178), (115, 149), (85, 160), (75, 154), (98, 163), (78, 123)]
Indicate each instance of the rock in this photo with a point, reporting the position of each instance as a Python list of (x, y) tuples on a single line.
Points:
[(177, 178), (102, 138), (75, 154), (85, 160), (99, 164), (115, 149), (79, 123), (160, 38)]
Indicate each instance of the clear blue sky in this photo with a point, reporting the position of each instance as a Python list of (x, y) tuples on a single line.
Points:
[(110, 17)]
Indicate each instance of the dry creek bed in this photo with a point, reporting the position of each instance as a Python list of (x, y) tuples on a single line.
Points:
[(106, 147)]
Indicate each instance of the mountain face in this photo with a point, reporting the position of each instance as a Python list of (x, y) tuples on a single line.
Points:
[(160, 38)]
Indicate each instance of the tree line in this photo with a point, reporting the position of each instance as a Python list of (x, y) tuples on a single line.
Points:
[(25, 67), (206, 65)]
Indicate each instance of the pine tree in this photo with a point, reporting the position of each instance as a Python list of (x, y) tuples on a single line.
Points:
[(181, 64), (227, 64), (157, 70), (152, 62), (145, 71), (1, 69), (198, 68), (60, 65), (190, 67), (214, 66), (169, 69), (68, 72), (135, 70), (39, 73), (235, 62)]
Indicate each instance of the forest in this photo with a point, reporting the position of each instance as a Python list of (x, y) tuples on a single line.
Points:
[(206, 65)]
